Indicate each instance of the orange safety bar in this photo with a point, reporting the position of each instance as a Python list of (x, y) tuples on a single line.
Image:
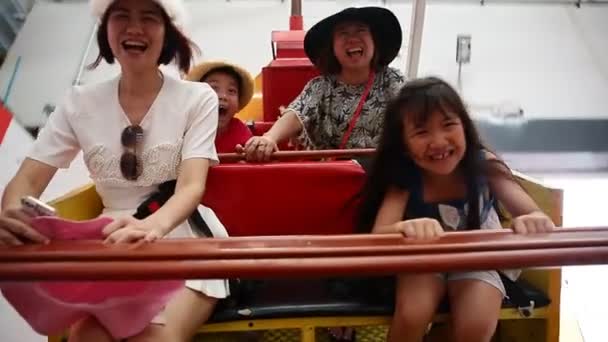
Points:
[(300, 267), (302, 256), (303, 155), (307, 246)]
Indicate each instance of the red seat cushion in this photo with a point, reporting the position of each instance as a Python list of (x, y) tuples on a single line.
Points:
[(291, 198), (282, 82)]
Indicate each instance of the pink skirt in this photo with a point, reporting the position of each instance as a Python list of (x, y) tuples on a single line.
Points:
[(124, 308)]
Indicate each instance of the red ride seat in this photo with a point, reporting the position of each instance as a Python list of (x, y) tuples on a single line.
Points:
[(297, 198), (289, 198)]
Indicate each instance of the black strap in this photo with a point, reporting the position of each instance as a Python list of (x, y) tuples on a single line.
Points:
[(160, 197), (524, 303), (196, 221)]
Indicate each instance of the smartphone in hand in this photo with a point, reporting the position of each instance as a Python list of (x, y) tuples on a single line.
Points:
[(36, 207)]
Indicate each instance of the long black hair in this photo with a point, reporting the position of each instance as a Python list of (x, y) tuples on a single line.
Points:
[(394, 168)]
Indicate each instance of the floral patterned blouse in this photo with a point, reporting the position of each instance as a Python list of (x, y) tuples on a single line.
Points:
[(325, 107)]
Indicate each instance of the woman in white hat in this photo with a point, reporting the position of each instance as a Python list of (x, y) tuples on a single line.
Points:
[(342, 108), (136, 131)]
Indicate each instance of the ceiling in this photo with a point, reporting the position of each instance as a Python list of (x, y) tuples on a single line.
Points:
[(14, 12)]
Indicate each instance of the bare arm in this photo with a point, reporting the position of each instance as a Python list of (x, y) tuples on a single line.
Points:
[(188, 193), (508, 191), (527, 217), (305, 105), (261, 148), (512, 196), (286, 127), (390, 219), (31, 180), (391, 212)]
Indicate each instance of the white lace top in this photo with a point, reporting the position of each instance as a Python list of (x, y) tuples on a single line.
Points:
[(180, 124)]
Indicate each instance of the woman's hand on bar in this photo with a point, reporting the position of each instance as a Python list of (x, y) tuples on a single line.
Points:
[(535, 222), (129, 230), (420, 229), (258, 148)]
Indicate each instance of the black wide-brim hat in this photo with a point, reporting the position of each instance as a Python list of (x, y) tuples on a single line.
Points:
[(383, 24)]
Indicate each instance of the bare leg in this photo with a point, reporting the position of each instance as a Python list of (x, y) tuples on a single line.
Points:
[(417, 298), (475, 307), (184, 315), (342, 333), (89, 330)]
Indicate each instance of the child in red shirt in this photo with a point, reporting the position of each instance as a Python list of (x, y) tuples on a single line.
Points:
[(234, 88)]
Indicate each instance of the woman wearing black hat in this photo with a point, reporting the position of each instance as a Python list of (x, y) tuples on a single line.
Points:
[(343, 107)]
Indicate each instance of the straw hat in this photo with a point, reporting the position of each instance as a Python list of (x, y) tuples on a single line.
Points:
[(247, 83)]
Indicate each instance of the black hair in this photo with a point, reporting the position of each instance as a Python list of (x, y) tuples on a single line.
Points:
[(393, 167)]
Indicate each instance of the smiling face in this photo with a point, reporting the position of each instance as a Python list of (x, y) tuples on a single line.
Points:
[(226, 86), (353, 45), (438, 144), (136, 33)]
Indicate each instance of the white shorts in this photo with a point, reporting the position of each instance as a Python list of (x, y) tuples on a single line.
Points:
[(489, 277)]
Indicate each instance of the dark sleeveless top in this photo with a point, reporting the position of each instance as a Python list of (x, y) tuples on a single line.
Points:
[(451, 214)]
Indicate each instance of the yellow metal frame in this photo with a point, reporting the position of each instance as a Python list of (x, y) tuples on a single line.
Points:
[(542, 325), (550, 200), (309, 324)]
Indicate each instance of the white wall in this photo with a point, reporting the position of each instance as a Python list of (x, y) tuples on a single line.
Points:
[(14, 328), (50, 44), (552, 61)]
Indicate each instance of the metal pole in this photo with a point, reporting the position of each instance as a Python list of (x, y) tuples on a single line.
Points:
[(296, 7), (296, 21), (11, 81), (415, 38), (85, 54), (460, 76)]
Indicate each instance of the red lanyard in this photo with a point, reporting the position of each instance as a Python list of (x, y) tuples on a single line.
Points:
[(357, 113)]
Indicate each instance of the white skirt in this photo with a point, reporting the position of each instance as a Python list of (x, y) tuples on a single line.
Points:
[(216, 288)]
